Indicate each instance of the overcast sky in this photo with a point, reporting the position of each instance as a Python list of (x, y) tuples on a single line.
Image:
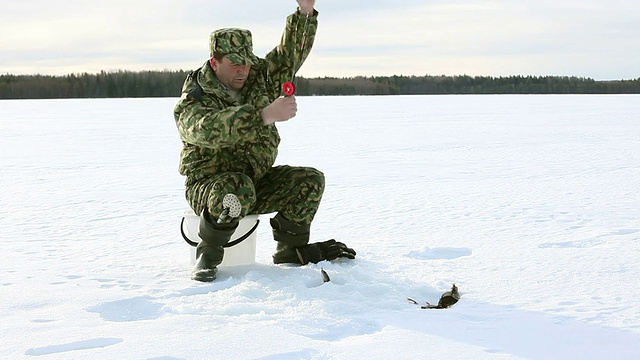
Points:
[(599, 39)]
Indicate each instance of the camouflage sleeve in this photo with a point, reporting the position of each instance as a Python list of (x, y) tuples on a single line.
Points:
[(203, 125), (297, 39)]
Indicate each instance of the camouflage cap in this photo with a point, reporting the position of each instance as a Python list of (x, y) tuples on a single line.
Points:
[(235, 44)]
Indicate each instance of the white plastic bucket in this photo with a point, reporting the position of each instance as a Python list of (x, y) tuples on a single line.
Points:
[(243, 253)]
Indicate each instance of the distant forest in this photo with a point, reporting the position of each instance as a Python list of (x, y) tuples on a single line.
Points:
[(126, 84)]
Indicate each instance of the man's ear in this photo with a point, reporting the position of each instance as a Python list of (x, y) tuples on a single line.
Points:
[(213, 64)]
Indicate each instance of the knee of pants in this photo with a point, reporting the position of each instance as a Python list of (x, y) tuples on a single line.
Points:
[(314, 179), (238, 184), (307, 194)]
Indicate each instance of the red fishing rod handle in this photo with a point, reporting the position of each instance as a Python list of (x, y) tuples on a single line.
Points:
[(288, 88)]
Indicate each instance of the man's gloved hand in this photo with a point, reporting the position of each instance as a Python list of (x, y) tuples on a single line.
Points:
[(326, 250)]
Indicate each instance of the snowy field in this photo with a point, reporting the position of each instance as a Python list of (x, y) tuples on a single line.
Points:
[(530, 204)]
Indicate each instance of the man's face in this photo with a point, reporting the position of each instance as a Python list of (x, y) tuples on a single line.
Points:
[(231, 75)]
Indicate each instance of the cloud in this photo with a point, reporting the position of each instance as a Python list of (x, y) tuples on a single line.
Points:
[(484, 38), (413, 37)]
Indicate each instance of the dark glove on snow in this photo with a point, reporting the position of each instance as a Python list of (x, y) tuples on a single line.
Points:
[(326, 250)]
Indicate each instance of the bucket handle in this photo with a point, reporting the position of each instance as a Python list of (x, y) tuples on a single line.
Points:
[(229, 244)]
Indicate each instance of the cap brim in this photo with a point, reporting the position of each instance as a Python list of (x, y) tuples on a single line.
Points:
[(241, 60)]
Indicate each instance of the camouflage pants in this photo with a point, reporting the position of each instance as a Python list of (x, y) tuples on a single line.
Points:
[(294, 192)]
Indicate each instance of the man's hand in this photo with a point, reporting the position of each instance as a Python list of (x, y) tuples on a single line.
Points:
[(306, 6), (281, 109), (326, 250)]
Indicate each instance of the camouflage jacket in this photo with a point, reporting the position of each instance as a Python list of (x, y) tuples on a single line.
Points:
[(220, 134)]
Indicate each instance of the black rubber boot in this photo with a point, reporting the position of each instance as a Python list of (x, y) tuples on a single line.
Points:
[(210, 251), (289, 236)]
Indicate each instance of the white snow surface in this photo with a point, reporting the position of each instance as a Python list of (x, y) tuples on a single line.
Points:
[(530, 204)]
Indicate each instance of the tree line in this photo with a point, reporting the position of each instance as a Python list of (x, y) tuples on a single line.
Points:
[(167, 83), (428, 84)]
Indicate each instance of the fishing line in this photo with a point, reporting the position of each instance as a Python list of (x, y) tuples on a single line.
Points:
[(288, 88)]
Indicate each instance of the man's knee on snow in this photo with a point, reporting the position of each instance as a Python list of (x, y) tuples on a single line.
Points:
[(238, 184)]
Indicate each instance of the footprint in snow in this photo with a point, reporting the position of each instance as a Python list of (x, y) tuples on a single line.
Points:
[(428, 253), (625, 231), (133, 309), (77, 345), (586, 243)]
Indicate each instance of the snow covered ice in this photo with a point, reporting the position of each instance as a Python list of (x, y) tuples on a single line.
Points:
[(530, 204)]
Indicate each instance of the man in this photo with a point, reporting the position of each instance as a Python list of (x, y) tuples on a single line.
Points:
[(226, 119)]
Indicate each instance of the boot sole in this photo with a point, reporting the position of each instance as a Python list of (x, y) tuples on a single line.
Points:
[(204, 275)]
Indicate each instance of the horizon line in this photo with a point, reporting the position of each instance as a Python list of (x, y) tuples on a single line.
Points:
[(325, 76)]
